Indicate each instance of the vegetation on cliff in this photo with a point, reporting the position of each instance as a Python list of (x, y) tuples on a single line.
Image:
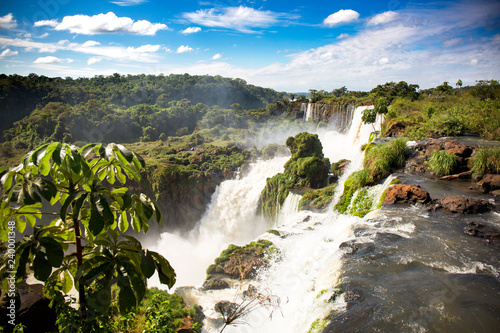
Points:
[(306, 167)]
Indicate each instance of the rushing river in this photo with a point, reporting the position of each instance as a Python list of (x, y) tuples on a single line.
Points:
[(399, 269)]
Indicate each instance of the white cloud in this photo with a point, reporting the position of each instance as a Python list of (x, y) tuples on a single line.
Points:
[(184, 49), (383, 18), (8, 53), (51, 60), (473, 62), (104, 23), (8, 21), (144, 53), (342, 16), (50, 23), (217, 56), (90, 43), (191, 30), (383, 61), (129, 2), (93, 60), (241, 18), (342, 36)]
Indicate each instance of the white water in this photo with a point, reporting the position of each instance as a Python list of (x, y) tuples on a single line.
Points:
[(231, 218), (310, 255)]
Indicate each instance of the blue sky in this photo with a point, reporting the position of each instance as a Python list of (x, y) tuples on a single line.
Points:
[(286, 45)]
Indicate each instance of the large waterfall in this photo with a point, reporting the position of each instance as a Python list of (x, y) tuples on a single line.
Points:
[(391, 263)]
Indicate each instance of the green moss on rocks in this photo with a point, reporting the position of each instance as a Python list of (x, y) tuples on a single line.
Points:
[(306, 167), (356, 181), (317, 199), (241, 262)]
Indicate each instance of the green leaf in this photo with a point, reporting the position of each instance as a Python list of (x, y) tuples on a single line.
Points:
[(136, 223), (30, 219), (100, 300), (78, 205), (123, 222), (54, 251), (126, 297), (20, 224), (166, 273), (85, 150), (67, 282), (105, 210), (46, 188), (96, 221), (7, 179), (41, 267), (129, 156), (67, 202), (56, 154), (137, 280), (148, 266)]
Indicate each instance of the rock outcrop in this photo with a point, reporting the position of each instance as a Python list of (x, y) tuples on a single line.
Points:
[(489, 183), (400, 193), (463, 205)]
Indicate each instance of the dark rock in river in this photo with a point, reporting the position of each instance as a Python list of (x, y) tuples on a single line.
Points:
[(401, 193), (215, 284), (463, 205), (482, 231), (489, 183)]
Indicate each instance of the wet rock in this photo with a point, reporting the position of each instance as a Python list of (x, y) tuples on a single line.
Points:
[(396, 129), (215, 284), (482, 231), (353, 247), (401, 193), (462, 151), (489, 183), (463, 205), (226, 308)]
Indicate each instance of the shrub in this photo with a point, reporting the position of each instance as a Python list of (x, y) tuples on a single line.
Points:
[(381, 158), (442, 163), (486, 160)]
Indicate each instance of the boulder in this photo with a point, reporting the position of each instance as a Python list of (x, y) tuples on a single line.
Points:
[(489, 183), (482, 231), (401, 193), (463, 205), (215, 284), (396, 129), (462, 151)]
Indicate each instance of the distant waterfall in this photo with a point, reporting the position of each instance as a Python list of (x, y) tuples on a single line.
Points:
[(339, 116)]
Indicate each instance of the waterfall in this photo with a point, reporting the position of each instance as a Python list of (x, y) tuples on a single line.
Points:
[(231, 217), (310, 258)]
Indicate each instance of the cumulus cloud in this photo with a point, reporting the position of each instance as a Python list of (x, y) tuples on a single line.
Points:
[(102, 24), (90, 43), (51, 60), (93, 60), (217, 56), (184, 49), (383, 61), (342, 16), (241, 18), (383, 18), (8, 21), (8, 53), (191, 30)]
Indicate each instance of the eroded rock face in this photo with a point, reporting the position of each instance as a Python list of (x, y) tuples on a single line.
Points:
[(463, 205), (215, 284), (401, 193), (489, 183), (396, 129)]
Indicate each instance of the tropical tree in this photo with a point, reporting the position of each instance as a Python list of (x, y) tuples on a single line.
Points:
[(83, 245), (370, 115)]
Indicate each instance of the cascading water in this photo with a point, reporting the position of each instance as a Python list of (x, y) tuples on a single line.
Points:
[(398, 269)]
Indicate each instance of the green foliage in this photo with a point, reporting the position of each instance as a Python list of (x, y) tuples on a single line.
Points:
[(317, 199), (362, 203), (442, 163), (381, 158), (354, 182), (83, 182), (486, 160)]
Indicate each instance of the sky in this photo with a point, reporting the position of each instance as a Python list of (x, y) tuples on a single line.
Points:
[(290, 46)]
